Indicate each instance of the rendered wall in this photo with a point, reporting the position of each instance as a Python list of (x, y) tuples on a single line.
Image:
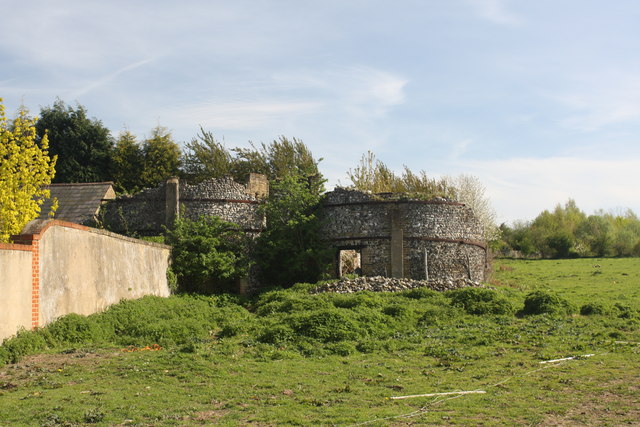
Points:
[(85, 271), (400, 237), (15, 289), (72, 268)]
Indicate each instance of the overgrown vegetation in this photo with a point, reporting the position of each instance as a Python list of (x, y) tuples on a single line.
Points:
[(291, 248), (373, 176), (291, 357), (568, 232), (208, 254)]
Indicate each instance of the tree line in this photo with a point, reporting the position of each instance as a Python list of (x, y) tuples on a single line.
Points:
[(567, 231)]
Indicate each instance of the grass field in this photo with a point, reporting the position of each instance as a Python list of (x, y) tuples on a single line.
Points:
[(291, 358)]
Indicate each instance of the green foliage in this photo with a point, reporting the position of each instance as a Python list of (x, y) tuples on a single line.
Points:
[(22, 344), (75, 329), (128, 162), (373, 176), (280, 159), (328, 325), (594, 308), (84, 146), (291, 249), (480, 301), (569, 232), (209, 254), (25, 169), (161, 158), (222, 363), (546, 302), (206, 158)]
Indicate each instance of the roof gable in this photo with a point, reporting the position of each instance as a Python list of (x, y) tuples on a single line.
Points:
[(79, 202)]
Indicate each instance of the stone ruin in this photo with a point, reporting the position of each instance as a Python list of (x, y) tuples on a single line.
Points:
[(393, 236), (146, 212), (436, 243)]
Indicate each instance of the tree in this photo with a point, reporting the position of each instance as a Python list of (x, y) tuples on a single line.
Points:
[(161, 157), (469, 190), (25, 169), (291, 249), (128, 161), (206, 158), (595, 236), (554, 232), (83, 146), (209, 254), (278, 160)]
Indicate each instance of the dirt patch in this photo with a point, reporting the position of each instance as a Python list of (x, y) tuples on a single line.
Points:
[(43, 363), (619, 405)]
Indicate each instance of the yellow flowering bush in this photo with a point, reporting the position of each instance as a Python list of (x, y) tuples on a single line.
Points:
[(25, 170)]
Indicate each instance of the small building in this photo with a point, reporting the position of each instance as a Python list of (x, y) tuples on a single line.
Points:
[(79, 203)]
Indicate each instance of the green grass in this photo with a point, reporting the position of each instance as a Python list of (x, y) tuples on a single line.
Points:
[(291, 358)]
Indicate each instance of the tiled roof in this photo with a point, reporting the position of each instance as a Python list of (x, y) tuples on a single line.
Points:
[(77, 203)]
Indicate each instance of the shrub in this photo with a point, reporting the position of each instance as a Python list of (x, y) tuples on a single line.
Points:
[(422, 293), (209, 254), (328, 325), (24, 343), (434, 314), (480, 301), (289, 302), (625, 311), (277, 334), (360, 299), (74, 329), (594, 308), (546, 302)]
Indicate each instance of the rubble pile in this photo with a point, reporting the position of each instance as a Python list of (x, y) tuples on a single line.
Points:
[(387, 284)]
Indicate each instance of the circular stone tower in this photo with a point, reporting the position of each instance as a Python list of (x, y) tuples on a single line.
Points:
[(393, 236)]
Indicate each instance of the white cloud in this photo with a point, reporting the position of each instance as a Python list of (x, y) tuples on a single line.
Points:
[(460, 148), (521, 188), (230, 115), (599, 105), (496, 11)]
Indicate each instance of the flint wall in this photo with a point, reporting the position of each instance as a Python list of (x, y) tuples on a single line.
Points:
[(436, 239)]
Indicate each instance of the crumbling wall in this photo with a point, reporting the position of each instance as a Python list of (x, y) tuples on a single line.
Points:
[(147, 212), (435, 240)]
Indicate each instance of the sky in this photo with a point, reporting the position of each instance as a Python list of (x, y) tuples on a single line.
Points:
[(540, 100)]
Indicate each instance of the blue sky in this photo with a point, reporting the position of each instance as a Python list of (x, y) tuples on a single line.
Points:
[(538, 99)]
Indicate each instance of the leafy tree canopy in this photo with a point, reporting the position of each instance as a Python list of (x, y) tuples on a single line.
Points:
[(128, 162), (291, 249), (206, 158), (161, 157), (209, 254), (568, 232), (25, 169), (83, 145)]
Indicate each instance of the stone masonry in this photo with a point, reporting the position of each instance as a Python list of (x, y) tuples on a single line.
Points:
[(147, 212), (406, 238)]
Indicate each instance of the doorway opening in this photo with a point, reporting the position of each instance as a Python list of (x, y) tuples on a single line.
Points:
[(350, 262)]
